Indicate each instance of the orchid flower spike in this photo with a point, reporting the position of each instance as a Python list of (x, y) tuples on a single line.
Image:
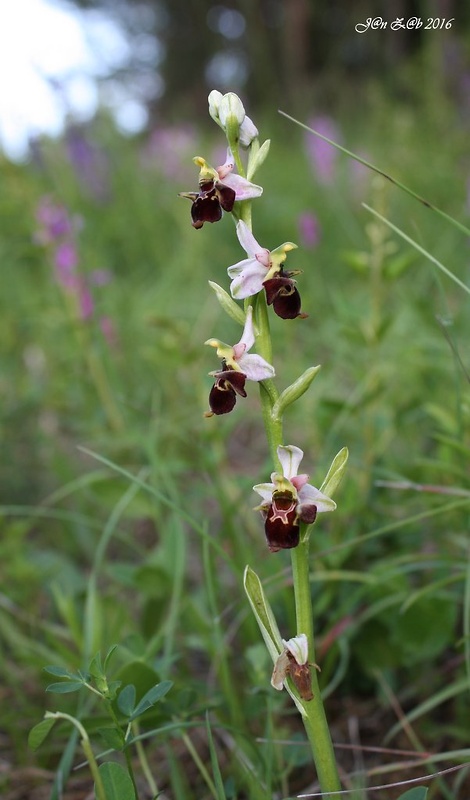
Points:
[(289, 500), (237, 366), (218, 191), (263, 269)]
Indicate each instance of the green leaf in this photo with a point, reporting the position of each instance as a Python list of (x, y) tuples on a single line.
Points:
[(263, 613), (126, 699), (266, 622), (257, 158), (108, 656), (112, 737), (116, 782), (294, 391), (64, 688), (417, 793), (230, 306), (113, 686), (140, 675), (96, 667), (39, 733), (151, 697), (335, 473), (60, 672)]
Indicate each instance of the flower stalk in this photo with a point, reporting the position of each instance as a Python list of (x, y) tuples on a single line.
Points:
[(315, 722), (289, 503)]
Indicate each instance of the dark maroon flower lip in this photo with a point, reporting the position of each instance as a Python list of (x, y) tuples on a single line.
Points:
[(207, 204), (281, 524), (283, 295), (228, 384)]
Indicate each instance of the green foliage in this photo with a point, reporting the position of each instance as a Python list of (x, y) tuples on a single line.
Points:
[(145, 543), (418, 793), (116, 781)]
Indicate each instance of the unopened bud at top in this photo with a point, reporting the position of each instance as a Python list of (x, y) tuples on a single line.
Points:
[(231, 109), (227, 110)]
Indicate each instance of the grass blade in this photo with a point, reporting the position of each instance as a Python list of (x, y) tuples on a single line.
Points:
[(372, 167)]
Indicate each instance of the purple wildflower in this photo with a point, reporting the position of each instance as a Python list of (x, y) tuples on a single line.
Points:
[(108, 330), (54, 221), (321, 154), (309, 229), (89, 163), (169, 148)]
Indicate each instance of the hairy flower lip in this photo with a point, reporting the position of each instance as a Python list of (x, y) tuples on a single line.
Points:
[(223, 395), (218, 191), (253, 274), (283, 295), (288, 500), (236, 362)]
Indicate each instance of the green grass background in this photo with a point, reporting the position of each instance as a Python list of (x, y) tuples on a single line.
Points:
[(143, 541)]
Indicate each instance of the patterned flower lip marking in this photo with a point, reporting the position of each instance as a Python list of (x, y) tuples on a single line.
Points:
[(289, 500)]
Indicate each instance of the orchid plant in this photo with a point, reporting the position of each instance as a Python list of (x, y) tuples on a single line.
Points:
[(289, 503)]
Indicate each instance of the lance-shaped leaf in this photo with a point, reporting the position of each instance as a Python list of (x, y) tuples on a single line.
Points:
[(150, 698), (266, 622), (294, 391), (263, 613), (257, 158), (65, 688), (230, 306), (335, 472)]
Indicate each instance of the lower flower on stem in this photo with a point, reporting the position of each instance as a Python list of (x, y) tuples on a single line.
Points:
[(288, 501), (293, 662)]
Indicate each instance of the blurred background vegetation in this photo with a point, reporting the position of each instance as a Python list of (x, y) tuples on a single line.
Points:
[(102, 323)]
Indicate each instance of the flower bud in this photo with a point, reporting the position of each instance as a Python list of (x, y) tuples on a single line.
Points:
[(214, 102), (248, 132), (231, 110)]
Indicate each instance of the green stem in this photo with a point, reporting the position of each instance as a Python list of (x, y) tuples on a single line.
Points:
[(234, 146), (127, 755), (315, 722), (87, 749), (267, 388)]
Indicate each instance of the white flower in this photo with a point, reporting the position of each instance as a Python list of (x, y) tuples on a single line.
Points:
[(237, 366), (236, 357), (249, 275), (298, 647), (293, 662), (243, 188)]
